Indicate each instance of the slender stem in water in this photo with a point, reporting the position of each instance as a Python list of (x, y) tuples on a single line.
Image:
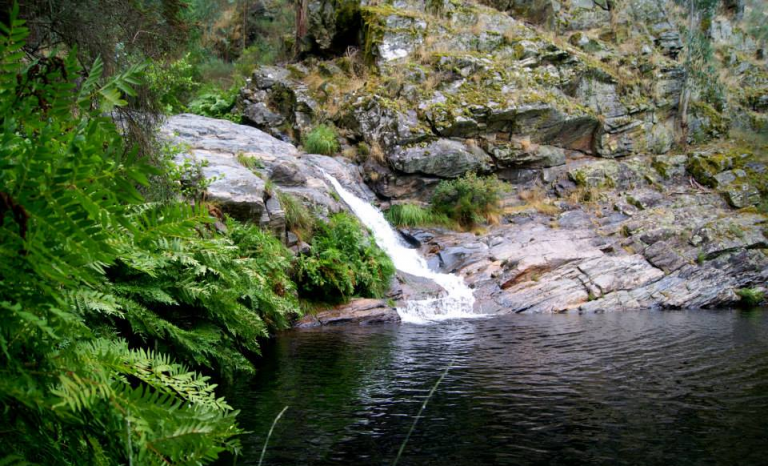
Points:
[(418, 416), (264, 450)]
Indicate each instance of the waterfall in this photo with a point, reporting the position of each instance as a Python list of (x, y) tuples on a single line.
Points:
[(459, 300)]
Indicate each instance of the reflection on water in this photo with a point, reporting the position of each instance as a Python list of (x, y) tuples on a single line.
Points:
[(641, 388)]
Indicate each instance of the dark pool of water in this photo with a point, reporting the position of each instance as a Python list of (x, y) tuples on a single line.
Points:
[(639, 388)]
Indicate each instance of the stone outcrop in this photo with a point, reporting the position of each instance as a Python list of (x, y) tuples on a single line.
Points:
[(459, 87), (649, 240), (219, 149)]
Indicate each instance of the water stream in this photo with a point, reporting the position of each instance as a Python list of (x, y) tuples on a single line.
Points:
[(459, 300)]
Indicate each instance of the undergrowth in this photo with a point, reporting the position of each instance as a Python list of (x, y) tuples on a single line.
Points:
[(343, 262)]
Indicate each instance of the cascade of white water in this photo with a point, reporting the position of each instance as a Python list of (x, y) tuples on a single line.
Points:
[(458, 301)]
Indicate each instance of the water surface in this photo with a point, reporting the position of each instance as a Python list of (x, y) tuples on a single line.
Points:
[(629, 388)]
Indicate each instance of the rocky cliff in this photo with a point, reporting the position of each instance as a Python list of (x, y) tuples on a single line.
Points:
[(637, 124)]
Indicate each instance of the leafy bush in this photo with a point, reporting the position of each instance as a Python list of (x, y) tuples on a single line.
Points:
[(205, 298), (343, 262), (750, 297), (469, 200), (72, 390), (413, 215), (216, 103), (322, 140), (174, 83)]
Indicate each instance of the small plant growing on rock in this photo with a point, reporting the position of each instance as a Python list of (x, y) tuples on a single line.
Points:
[(322, 140), (250, 162), (414, 215), (469, 200), (298, 218)]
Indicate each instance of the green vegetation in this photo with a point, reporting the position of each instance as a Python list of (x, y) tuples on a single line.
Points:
[(322, 140), (99, 287), (462, 203), (298, 218), (751, 297), (343, 262), (77, 385), (250, 162), (469, 200), (414, 215)]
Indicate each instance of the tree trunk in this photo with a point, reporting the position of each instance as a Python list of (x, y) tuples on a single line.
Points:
[(245, 26), (301, 25), (685, 94)]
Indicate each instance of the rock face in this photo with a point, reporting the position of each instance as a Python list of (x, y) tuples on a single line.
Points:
[(277, 103), (219, 148), (460, 87), (580, 101)]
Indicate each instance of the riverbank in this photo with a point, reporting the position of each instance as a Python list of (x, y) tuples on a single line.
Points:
[(608, 235)]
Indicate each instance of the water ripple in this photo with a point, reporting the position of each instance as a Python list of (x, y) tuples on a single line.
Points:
[(641, 388)]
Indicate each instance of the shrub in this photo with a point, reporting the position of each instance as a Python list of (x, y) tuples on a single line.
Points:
[(216, 103), (322, 140), (174, 83), (343, 262), (469, 200), (413, 215), (750, 297)]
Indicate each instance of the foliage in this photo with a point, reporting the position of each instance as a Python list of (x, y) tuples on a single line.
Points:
[(205, 298), (343, 262), (468, 200), (414, 215), (72, 391), (174, 83), (250, 162), (298, 218), (121, 34), (751, 297), (322, 140), (216, 103)]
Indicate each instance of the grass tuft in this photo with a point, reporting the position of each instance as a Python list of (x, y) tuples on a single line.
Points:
[(298, 218), (414, 215), (322, 140)]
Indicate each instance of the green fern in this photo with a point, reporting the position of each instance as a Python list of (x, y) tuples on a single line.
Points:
[(70, 391)]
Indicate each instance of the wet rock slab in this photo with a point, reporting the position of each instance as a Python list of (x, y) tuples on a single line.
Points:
[(356, 312)]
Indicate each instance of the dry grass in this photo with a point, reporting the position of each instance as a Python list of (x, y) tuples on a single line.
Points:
[(527, 145), (478, 27), (433, 82), (536, 199), (314, 80), (377, 153), (350, 153)]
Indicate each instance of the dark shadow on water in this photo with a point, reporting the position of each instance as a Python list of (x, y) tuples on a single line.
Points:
[(632, 388)]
